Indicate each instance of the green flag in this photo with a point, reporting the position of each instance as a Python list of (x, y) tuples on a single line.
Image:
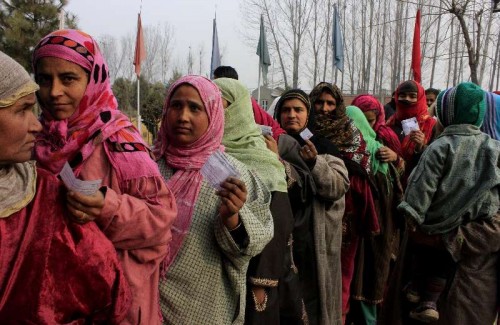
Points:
[(262, 51)]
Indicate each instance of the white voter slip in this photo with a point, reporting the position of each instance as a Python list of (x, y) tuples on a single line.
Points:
[(217, 169), (306, 134), (266, 130), (409, 125), (77, 185)]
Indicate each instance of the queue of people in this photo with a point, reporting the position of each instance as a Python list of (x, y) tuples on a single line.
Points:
[(336, 214)]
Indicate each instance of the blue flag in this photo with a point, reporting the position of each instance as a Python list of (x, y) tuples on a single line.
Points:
[(215, 62), (338, 44), (262, 51)]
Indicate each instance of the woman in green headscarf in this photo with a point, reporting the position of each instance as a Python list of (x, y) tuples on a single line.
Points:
[(375, 253), (243, 140)]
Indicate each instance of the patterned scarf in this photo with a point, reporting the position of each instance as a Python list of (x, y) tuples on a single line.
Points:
[(417, 110), (369, 135), (491, 123), (97, 117), (339, 128), (368, 103), (185, 184), (243, 139)]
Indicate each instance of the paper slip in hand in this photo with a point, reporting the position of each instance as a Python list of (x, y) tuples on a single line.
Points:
[(409, 125), (77, 185), (217, 169), (266, 130), (306, 134)]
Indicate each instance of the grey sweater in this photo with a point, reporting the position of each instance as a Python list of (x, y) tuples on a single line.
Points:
[(456, 180)]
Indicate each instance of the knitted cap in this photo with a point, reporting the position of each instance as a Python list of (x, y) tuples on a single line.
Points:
[(15, 82), (463, 104)]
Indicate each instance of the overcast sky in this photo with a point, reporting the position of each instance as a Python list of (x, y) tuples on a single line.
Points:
[(191, 21)]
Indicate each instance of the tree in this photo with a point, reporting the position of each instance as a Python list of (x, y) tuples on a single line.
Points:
[(124, 92), (152, 107), (152, 100), (24, 22)]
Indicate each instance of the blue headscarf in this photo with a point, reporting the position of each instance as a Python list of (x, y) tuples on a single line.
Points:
[(491, 125)]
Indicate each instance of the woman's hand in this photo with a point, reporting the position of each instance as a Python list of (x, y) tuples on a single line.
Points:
[(85, 208), (233, 196), (418, 137), (271, 143), (308, 152), (385, 154)]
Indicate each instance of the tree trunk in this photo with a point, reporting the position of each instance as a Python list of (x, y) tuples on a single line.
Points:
[(486, 48), (450, 54), (377, 54), (382, 51), (494, 68), (353, 40), (455, 66), (436, 44), (328, 37), (402, 62), (369, 59), (276, 43), (470, 47)]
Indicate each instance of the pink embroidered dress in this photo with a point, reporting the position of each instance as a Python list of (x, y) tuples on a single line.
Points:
[(100, 142)]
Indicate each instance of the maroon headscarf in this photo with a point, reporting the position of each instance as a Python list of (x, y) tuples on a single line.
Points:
[(368, 103)]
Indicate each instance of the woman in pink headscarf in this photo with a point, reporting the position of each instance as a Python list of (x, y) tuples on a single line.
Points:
[(216, 232), (83, 127), (375, 114)]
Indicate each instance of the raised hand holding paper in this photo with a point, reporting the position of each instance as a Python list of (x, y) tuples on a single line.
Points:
[(217, 169), (306, 134), (409, 125), (77, 185)]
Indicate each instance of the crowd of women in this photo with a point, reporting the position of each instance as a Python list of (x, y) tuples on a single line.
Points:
[(336, 217)]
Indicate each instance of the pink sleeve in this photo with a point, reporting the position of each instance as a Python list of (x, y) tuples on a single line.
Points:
[(262, 118), (141, 216), (138, 212)]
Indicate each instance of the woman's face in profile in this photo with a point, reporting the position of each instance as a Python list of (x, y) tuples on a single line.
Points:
[(18, 126), (62, 86), (187, 117)]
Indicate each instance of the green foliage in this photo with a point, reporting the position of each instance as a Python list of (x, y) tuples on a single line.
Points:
[(124, 92), (152, 97), (24, 22)]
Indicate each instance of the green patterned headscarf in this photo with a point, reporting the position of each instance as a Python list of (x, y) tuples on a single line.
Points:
[(243, 139), (369, 135)]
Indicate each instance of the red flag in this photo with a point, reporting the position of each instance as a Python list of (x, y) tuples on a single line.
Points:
[(415, 53), (140, 50)]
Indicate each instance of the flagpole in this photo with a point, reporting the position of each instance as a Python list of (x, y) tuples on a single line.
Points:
[(138, 91), (258, 83), (138, 105)]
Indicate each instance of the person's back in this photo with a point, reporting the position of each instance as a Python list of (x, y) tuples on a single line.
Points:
[(455, 182), (468, 188), (458, 176)]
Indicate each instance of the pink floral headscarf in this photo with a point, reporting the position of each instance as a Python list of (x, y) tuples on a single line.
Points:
[(187, 160), (97, 117)]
